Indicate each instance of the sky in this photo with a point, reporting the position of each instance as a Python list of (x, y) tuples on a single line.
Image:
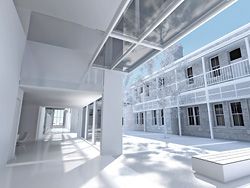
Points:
[(230, 19), (227, 21)]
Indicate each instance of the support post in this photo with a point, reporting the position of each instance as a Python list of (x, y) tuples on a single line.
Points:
[(144, 121), (94, 122), (178, 104), (179, 119), (248, 48), (111, 139), (207, 100), (86, 122)]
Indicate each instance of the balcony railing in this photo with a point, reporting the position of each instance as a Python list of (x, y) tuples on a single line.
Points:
[(229, 72), (191, 83)]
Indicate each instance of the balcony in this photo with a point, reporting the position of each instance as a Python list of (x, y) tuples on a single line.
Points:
[(229, 72), (191, 83)]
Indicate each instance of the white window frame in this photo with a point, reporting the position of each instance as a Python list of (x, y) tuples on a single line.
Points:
[(214, 71), (58, 117), (231, 113), (235, 60), (147, 90), (162, 118), (194, 116), (190, 79), (215, 115), (154, 117), (141, 118), (137, 119)]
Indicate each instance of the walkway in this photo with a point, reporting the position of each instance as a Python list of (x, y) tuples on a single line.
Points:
[(149, 161)]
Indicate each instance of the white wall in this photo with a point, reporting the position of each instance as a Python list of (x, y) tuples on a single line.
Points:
[(76, 120), (40, 123), (111, 139), (12, 42), (15, 124), (48, 122), (67, 119), (29, 120), (50, 66)]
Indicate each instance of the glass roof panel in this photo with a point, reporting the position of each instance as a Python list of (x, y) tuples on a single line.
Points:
[(138, 54), (186, 14), (111, 51), (139, 15)]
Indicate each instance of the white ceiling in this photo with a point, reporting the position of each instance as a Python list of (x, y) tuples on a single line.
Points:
[(58, 32), (59, 98), (95, 14)]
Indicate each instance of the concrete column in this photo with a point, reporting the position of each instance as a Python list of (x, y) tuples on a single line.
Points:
[(94, 122), (40, 123), (67, 122), (178, 104), (248, 48), (86, 122), (111, 139), (207, 101), (144, 121), (179, 120), (14, 131)]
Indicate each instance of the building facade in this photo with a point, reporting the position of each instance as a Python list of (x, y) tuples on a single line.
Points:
[(205, 94)]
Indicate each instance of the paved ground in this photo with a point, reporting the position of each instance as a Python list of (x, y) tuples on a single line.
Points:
[(150, 161), (167, 160)]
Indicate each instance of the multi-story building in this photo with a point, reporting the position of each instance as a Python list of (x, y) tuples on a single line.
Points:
[(205, 93)]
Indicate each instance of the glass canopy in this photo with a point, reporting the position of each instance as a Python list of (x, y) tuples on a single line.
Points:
[(185, 15), (140, 15), (139, 53), (111, 51), (146, 27)]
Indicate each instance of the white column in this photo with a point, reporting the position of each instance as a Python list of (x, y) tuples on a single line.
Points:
[(40, 123), (86, 122), (111, 139), (14, 133), (207, 100), (144, 121), (67, 119), (178, 105), (248, 48), (179, 119), (94, 122)]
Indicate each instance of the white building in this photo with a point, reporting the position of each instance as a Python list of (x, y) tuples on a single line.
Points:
[(205, 93), (62, 65)]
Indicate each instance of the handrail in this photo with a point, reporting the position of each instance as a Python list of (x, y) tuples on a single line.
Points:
[(223, 74)]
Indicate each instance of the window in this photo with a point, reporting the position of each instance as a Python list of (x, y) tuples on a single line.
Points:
[(136, 92), (215, 66), (142, 118), (235, 54), (193, 116), (197, 115), (137, 118), (147, 90), (58, 117), (219, 115), (237, 114), (141, 89), (190, 75), (162, 117), (161, 82), (154, 118)]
